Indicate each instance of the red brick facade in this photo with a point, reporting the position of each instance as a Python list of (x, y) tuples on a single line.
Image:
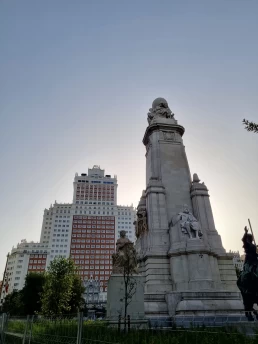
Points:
[(92, 246), (95, 192), (37, 262)]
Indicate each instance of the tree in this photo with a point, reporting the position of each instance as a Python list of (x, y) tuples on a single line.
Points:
[(31, 292), (250, 126), (13, 304), (125, 262), (63, 289), (77, 301), (129, 281), (27, 300)]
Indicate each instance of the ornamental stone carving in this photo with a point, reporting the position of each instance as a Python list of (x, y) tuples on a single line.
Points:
[(169, 135), (189, 224), (141, 224), (124, 260), (159, 109)]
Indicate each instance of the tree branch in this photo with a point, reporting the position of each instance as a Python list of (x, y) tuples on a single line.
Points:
[(250, 126)]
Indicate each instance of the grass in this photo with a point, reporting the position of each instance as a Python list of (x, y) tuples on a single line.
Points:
[(64, 331)]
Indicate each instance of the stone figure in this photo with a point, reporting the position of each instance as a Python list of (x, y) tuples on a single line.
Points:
[(141, 225), (125, 259), (248, 279), (189, 224), (159, 109), (250, 249), (121, 242), (196, 179)]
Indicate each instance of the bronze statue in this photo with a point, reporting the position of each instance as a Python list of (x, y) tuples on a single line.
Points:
[(248, 279)]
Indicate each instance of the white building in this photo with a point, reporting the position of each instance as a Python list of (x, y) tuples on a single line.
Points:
[(85, 230), (56, 229), (126, 215), (238, 260), (25, 257)]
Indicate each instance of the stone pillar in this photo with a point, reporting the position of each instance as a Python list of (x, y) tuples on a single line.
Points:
[(116, 297), (153, 244), (203, 212), (166, 162)]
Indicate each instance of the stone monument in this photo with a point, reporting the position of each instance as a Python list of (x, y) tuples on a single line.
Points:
[(186, 269), (125, 286)]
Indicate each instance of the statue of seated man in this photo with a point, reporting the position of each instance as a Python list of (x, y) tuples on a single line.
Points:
[(125, 256), (189, 224), (122, 242)]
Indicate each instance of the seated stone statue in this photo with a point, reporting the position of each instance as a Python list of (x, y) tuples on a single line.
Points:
[(124, 260), (121, 242), (188, 223)]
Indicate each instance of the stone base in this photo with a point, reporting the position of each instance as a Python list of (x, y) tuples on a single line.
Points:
[(189, 308), (138, 324), (200, 303), (156, 305), (215, 320), (116, 295)]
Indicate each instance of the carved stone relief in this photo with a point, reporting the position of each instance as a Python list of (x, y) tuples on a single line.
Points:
[(141, 225), (169, 136)]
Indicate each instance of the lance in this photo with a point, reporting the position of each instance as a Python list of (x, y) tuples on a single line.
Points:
[(252, 231)]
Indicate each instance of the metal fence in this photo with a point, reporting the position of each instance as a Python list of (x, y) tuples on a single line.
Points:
[(75, 329)]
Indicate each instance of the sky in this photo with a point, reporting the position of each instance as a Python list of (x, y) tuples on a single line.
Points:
[(77, 79)]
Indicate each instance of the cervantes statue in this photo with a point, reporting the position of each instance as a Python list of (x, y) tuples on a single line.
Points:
[(188, 223), (125, 259), (248, 279)]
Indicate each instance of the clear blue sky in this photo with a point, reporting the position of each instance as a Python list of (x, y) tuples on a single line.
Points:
[(77, 79)]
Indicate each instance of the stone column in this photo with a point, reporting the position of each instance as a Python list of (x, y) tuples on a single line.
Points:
[(203, 212), (166, 162), (153, 244)]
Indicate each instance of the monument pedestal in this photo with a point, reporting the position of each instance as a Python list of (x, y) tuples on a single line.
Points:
[(180, 252), (116, 298), (206, 302)]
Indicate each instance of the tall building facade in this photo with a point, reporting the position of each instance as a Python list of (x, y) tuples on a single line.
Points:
[(85, 230), (96, 188), (25, 257)]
